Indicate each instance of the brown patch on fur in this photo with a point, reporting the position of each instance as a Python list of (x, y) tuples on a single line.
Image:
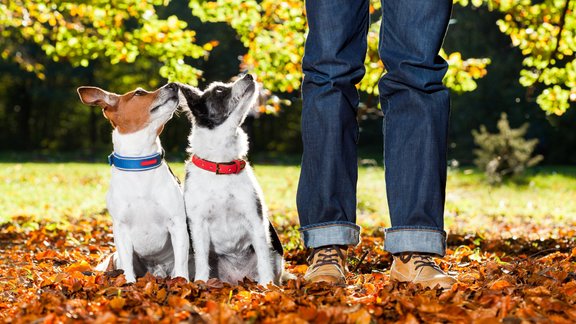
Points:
[(132, 111), (128, 113)]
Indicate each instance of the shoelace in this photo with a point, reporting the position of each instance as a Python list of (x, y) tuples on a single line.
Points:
[(423, 261), (327, 255)]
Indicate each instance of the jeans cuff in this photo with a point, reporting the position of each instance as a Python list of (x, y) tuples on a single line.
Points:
[(330, 233), (415, 239)]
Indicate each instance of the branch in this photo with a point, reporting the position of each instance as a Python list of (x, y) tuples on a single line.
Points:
[(558, 38)]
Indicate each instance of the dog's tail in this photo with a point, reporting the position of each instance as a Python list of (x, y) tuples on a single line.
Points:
[(285, 276), (108, 263)]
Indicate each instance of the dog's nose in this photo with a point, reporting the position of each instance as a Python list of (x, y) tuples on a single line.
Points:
[(248, 76), (172, 86)]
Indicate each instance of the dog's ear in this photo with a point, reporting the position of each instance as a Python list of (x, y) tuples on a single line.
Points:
[(97, 97), (192, 95)]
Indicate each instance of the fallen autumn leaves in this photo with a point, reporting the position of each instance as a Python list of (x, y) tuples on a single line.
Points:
[(46, 276)]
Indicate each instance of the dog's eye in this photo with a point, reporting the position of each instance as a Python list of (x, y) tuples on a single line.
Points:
[(155, 109), (219, 90), (139, 92)]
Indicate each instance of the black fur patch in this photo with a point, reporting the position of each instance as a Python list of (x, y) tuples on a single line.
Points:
[(275, 240), (276, 244), (258, 206), (212, 108)]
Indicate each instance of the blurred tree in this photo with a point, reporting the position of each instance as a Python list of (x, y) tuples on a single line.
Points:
[(505, 153), (273, 32), (80, 32), (545, 32), (60, 45), (44, 47)]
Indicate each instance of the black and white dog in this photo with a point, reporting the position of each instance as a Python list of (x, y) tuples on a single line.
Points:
[(231, 234)]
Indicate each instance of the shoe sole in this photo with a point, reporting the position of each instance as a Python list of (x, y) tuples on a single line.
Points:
[(328, 279)]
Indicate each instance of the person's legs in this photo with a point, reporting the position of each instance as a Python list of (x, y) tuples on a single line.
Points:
[(416, 108), (333, 64)]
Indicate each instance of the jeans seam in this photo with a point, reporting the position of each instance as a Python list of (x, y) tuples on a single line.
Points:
[(326, 225), (414, 230)]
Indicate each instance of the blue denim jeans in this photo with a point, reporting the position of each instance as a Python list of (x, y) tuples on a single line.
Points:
[(416, 108)]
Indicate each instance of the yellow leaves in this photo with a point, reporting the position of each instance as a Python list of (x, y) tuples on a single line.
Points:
[(173, 23), (462, 73), (117, 303), (78, 266), (210, 45), (299, 269), (54, 279), (244, 295), (78, 10)]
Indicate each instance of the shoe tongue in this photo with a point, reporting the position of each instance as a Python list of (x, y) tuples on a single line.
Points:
[(328, 255)]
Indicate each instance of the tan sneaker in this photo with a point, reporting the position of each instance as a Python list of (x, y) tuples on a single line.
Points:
[(420, 269), (328, 264)]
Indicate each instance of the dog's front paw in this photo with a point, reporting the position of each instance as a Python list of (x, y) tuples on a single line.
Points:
[(201, 278), (130, 278), (264, 281), (184, 276), (202, 272)]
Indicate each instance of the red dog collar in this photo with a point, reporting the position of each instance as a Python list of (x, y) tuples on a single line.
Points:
[(234, 167)]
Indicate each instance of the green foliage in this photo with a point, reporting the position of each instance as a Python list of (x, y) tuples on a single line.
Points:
[(505, 153), (545, 32), (462, 73), (273, 31), (81, 32)]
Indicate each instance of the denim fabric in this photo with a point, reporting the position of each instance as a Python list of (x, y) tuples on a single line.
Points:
[(339, 233), (415, 239), (416, 109)]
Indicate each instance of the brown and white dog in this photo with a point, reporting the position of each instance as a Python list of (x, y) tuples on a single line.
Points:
[(144, 199)]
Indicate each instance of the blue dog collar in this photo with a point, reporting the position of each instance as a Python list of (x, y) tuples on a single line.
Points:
[(126, 163)]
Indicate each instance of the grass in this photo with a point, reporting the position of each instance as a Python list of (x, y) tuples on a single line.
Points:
[(544, 196)]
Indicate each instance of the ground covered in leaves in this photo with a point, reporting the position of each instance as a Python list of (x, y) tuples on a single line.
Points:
[(47, 276)]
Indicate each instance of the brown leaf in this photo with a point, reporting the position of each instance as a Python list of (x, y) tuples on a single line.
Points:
[(537, 291), (161, 295), (117, 303), (307, 313), (79, 266), (500, 284)]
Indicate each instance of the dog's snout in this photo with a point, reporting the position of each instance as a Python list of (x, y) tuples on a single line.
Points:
[(248, 76)]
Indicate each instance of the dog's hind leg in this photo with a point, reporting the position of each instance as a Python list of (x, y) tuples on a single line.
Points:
[(260, 237)]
